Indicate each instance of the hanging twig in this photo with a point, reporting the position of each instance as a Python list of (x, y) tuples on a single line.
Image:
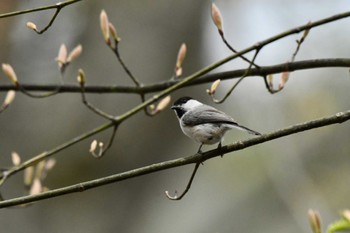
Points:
[(58, 6), (103, 149), (176, 197)]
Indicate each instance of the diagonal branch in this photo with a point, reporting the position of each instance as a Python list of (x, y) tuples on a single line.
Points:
[(294, 129)]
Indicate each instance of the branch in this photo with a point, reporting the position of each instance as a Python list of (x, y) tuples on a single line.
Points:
[(151, 88), (197, 158), (44, 8)]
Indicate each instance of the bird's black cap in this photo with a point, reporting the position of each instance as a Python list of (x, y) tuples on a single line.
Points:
[(181, 101)]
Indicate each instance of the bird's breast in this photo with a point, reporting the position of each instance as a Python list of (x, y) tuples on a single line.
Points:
[(205, 133)]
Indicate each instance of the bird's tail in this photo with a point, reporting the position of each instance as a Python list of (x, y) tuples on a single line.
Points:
[(241, 127)]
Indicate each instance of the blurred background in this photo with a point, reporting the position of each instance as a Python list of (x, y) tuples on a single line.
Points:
[(266, 188)]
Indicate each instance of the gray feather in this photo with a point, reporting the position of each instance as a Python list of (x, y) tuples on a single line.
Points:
[(206, 114)]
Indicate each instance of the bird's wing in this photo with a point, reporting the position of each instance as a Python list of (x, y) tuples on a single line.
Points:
[(203, 115)]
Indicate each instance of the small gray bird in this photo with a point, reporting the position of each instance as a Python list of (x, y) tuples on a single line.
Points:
[(203, 123)]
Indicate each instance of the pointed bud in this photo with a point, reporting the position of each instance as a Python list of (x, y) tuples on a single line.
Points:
[(306, 32), (75, 53), (315, 221), (270, 81), (32, 26), (104, 26), (284, 79), (181, 55), (50, 164), (36, 187), (62, 55), (114, 33), (81, 77), (10, 73), (10, 96), (162, 104), (213, 87), (217, 18), (28, 176), (346, 215), (40, 170), (16, 159), (93, 146), (180, 58), (152, 107), (178, 72)]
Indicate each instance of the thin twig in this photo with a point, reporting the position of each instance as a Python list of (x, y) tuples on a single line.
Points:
[(239, 80), (321, 122), (44, 8), (58, 6), (235, 51), (55, 90), (115, 49), (103, 151), (300, 42), (51, 21), (176, 197), (93, 108)]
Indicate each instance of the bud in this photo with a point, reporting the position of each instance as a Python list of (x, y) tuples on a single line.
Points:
[(113, 32), (28, 176), (315, 221), (306, 32), (75, 53), (152, 107), (62, 55), (346, 215), (284, 79), (81, 77), (10, 73), (178, 71), (217, 18), (180, 58), (181, 55), (213, 87), (104, 26), (270, 81), (32, 26), (40, 170), (50, 164), (16, 159), (93, 146), (162, 104), (36, 187), (10, 96)]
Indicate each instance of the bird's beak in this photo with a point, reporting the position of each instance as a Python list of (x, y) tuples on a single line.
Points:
[(173, 107)]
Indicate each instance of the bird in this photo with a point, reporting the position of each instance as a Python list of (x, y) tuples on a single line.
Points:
[(203, 123)]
